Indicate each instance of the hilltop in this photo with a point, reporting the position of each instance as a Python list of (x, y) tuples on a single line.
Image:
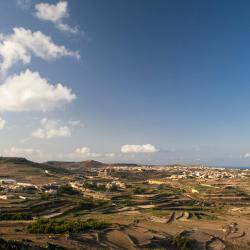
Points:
[(24, 170), (83, 165)]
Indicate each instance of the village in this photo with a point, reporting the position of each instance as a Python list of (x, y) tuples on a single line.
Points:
[(100, 183)]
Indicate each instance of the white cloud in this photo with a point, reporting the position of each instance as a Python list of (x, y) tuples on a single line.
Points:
[(50, 129), (52, 12), (247, 155), (29, 92), (55, 13), (85, 152), (147, 148), (75, 123), (24, 4), (110, 155), (2, 123), (22, 152), (22, 44), (66, 28)]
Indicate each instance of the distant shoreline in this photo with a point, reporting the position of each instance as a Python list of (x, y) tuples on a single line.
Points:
[(234, 167)]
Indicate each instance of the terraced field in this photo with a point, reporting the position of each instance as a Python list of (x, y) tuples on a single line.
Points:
[(192, 213)]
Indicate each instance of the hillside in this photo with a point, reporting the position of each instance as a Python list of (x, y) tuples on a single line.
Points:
[(75, 166), (84, 165), (24, 170)]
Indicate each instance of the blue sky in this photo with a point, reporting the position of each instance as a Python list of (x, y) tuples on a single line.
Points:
[(155, 81)]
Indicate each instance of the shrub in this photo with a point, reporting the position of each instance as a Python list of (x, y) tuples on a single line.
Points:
[(57, 226), (86, 204), (181, 242), (139, 190), (67, 190), (26, 245), (15, 216)]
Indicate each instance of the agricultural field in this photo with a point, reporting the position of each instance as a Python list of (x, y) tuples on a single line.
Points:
[(99, 206)]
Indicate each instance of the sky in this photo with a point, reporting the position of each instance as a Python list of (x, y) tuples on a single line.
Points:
[(144, 81)]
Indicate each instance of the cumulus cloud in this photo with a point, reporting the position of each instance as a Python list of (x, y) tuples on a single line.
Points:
[(85, 152), (55, 13), (22, 152), (247, 155), (75, 123), (22, 44), (50, 129), (28, 91), (66, 28), (146, 148), (24, 4), (2, 123), (110, 155)]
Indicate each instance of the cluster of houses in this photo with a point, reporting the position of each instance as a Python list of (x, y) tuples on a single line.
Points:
[(11, 189), (209, 173), (201, 175), (94, 186), (103, 181)]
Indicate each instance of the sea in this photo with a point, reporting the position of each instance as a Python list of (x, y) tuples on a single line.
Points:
[(236, 167)]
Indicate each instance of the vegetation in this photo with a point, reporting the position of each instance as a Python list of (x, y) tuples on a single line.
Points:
[(87, 204), (89, 185), (12, 244), (181, 242), (15, 216), (202, 216), (52, 203), (25, 245), (140, 190), (57, 226), (66, 189)]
